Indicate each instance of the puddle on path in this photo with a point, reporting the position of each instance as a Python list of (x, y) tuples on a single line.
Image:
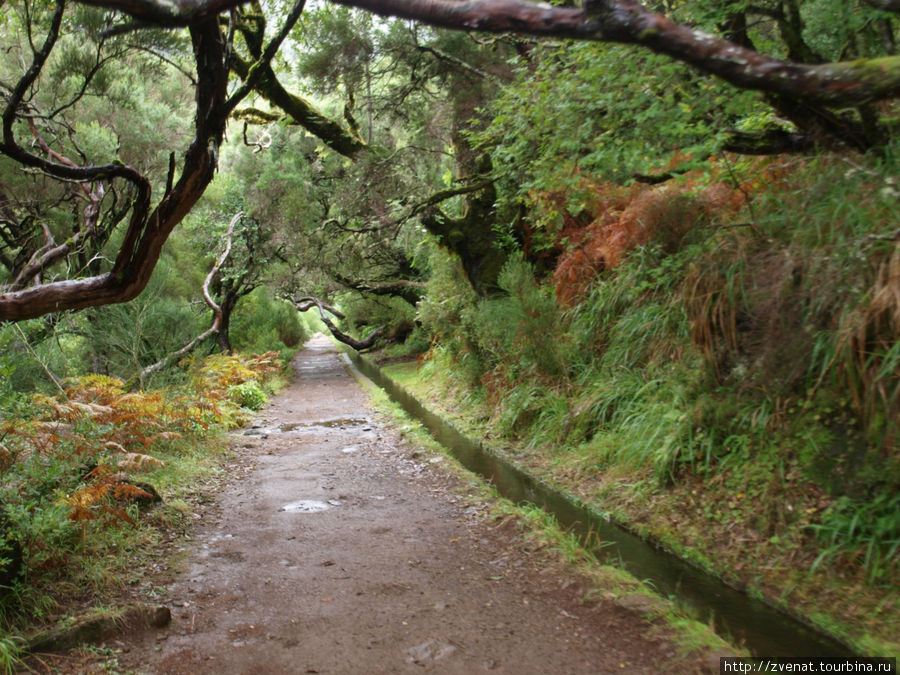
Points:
[(340, 423), (306, 506), (309, 505), (348, 423)]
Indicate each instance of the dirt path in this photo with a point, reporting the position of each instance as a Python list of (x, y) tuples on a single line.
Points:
[(338, 551)]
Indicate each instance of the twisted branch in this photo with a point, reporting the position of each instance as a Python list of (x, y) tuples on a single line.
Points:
[(214, 327), (304, 304)]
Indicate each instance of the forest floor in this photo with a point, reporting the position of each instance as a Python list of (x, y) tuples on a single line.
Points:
[(337, 547)]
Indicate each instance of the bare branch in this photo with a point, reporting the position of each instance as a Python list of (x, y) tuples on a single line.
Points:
[(358, 345), (175, 356), (263, 142), (44, 257), (212, 273)]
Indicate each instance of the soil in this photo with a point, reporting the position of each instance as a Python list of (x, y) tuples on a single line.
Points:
[(335, 547)]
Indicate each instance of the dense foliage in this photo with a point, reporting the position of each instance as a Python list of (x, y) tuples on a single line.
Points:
[(669, 289), (715, 365)]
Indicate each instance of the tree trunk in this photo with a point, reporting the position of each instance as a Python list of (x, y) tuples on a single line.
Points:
[(229, 302), (471, 236)]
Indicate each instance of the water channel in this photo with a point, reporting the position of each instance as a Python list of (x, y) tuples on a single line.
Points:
[(762, 628)]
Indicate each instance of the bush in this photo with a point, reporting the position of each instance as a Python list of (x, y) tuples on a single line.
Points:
[(248, 395), (522, 331)]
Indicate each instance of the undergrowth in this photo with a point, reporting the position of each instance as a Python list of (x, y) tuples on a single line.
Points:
[(82, 471)]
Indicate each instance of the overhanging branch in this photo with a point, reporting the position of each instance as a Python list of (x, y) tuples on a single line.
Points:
[(307, 303), (304, 304), (147, 232), (263, 64), (167, 13), (623, 21), (629, 22)]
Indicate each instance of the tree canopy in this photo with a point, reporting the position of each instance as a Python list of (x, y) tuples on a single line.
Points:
[(100, 166)]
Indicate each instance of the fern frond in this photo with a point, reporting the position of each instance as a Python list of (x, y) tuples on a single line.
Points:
[(135, 461), (94, 388), (87, 497), (101, 471), (120, 514), (129, 491)]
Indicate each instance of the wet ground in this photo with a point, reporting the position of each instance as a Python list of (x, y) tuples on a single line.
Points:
[(337, 548)]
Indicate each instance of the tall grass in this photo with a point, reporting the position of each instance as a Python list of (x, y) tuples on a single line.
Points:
[(10, 653)]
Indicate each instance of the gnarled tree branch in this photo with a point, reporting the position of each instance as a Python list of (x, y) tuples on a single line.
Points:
[(411, 291), (307, 303), (625, 21), (260, 77), (629, 22), (147, 231), (167, 13), (214, 327)]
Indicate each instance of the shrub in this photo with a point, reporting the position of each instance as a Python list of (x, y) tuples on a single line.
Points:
[(248, 395), (620, 219), (70, 471)]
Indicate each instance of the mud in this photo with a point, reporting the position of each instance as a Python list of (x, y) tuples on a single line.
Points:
[(336, 548)]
